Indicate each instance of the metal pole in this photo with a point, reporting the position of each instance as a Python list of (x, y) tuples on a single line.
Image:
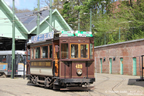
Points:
[(13, 41), (38, 18), (79, 18), (119, 34), (50, 29), (79, 21), (90, 20)]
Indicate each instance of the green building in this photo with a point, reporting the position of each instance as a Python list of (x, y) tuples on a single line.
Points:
[(26, 26)]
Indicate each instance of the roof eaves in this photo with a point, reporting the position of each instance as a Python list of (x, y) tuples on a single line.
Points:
[(17, 20), (55, 10), (131, 41), (41, 22), (63, 20)]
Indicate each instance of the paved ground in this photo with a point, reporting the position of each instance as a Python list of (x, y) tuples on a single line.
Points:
[(106, 85)]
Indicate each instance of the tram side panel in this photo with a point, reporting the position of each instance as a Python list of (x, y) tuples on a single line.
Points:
[(70, 70), (41, 68)]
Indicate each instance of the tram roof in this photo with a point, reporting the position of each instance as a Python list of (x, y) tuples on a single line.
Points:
[(9, 52)]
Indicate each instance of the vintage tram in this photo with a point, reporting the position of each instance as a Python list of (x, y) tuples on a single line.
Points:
[(62, 60)]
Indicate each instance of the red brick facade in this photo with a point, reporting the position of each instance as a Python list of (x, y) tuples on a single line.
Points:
[(126, 50)]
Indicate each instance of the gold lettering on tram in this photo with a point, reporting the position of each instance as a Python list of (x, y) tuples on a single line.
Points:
[(79, 66)]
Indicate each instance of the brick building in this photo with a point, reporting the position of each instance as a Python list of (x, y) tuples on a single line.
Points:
[(120, 58)]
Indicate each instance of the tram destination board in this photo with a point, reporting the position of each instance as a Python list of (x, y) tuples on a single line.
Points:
[(42, 37)]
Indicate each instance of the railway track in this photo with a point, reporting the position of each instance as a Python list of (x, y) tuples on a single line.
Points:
[(118, 84), (95, 89), (113, 88), (8, 93)]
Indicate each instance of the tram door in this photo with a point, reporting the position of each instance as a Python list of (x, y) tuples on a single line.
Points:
[(56, 56)]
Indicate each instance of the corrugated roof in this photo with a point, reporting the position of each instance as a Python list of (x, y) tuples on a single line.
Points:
[(29, 19)]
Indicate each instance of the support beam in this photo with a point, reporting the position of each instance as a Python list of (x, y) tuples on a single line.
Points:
[(50, 29), (38, 18), (13, 41)]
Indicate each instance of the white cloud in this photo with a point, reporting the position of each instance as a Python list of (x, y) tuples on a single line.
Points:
[(9, 2)]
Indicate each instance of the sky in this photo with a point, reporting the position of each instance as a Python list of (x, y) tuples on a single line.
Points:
[(23, 4)]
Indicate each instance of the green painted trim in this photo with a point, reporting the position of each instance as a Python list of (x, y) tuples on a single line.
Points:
[(121, 66), (23, 28), (101, 64), (48, 18), (134, 66), (110, 65)]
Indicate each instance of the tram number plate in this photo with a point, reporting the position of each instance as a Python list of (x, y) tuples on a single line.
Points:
[(79, 66)]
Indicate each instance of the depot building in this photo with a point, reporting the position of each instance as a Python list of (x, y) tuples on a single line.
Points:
[(26, 26)]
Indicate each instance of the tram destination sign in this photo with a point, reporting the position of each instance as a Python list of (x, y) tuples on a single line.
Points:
[(42, 37)]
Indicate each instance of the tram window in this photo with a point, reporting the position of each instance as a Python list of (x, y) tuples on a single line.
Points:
[(74, 50), (64, 51), (37, 52), (2, 59), (50, 53), (21, 59), (91, 51), (32, 54), (45, 52), (84, 50)]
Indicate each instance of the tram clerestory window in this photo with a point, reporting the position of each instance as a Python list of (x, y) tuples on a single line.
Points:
[(91, 51), (50, 52), (84, 50), (64, 51), (37, 52), (74, 50), (45, 52)]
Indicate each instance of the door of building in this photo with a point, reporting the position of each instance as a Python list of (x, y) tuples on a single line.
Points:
[(134, 67), (121, 66), (110, 65), (101, 64)]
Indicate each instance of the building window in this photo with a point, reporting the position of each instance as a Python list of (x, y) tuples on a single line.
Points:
[(64, 51), (50, 53), (74, 50), (32, 54), (91, 51), (84, 50), (37, 52), (45, 52)]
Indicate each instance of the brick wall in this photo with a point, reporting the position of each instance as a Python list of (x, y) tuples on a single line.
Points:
[(126, 50)]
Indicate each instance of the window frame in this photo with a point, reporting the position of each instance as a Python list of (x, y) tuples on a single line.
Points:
[(32, 50), (42, 51), (49, 51), (92, 51), (79, 51), (61, 50), (87, 52), (35, 52), (70, 50)]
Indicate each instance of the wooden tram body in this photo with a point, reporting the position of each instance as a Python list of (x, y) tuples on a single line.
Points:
[(62, 62)]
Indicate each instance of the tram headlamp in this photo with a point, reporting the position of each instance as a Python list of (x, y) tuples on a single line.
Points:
[(79, 72)]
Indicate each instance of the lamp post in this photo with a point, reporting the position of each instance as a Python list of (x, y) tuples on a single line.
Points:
[(13, 41)]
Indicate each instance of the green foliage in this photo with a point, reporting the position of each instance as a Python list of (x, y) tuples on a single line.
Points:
[(111, 24)]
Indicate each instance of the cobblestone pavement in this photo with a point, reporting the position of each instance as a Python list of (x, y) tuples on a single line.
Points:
[(106, 85)]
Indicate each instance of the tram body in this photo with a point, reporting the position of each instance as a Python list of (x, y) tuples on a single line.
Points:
[(62, 62), (6, 63)]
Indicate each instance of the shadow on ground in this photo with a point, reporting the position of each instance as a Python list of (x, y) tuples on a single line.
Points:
[(136, 82)]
